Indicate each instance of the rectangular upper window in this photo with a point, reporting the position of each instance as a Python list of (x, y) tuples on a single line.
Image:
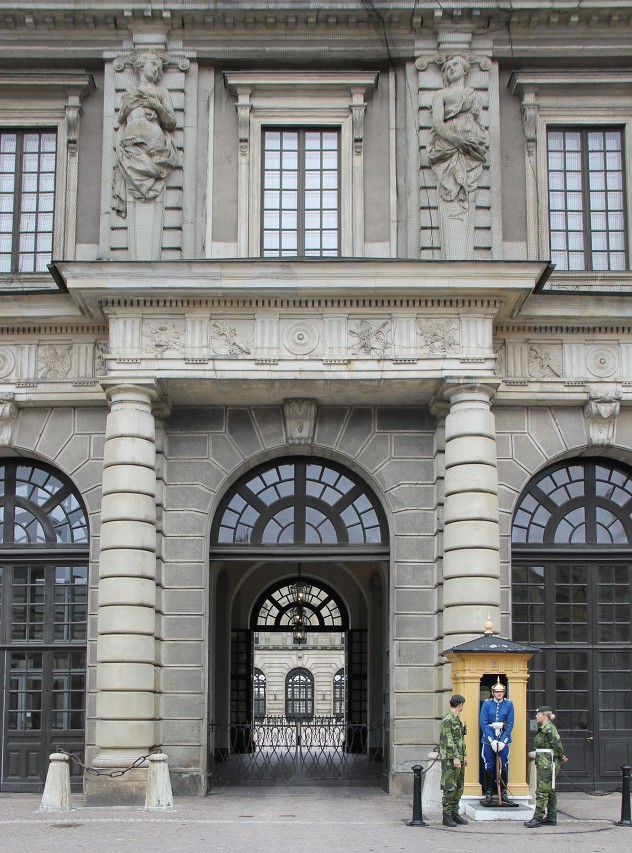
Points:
[(27, 199), (587, 222), (300, 214)]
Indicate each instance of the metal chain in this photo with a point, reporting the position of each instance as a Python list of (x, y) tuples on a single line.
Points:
[(114, 773), (588, 793)]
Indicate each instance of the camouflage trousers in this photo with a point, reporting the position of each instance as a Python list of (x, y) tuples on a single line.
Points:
[(545, 796), (452, 780)]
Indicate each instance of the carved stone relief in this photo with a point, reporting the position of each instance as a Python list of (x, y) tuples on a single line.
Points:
[(162, 336), (101, 350), (545, 362), (372, 339), (232, 337), (54, 362), (438, 337)]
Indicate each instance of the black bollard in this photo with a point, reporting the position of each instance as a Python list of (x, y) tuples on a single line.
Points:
[(417, 816), (626, 819)]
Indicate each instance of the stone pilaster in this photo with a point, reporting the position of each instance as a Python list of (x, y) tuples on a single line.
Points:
[(125, 710), (471, 562)]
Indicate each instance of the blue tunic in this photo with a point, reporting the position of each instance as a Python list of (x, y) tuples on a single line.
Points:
[(496, 712)]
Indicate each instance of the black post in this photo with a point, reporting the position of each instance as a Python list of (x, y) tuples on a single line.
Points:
[(417, 816), (626, 819)]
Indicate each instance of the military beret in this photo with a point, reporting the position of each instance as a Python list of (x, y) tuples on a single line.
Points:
[(544, 709), (457, 699)]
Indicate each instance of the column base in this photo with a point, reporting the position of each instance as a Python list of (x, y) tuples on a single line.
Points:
[(126, 790)]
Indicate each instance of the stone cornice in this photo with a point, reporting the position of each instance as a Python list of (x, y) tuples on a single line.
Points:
[(91, 284), (222, 26)]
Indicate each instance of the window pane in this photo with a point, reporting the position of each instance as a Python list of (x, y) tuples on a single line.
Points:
[(586, 196), (301, 163)]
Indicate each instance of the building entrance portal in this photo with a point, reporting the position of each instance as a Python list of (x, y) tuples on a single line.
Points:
[(300, 627)]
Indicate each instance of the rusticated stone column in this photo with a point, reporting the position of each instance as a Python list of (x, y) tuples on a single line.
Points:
[(125, 712), (471, 560)]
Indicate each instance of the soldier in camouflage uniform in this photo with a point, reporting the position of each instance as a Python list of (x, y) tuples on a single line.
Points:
[(549, 754), (453, 761)]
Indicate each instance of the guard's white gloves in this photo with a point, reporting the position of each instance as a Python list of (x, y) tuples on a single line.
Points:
[(501, 745), (494, 745)]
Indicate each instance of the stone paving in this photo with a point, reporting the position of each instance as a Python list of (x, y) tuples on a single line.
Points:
[(316, 820)]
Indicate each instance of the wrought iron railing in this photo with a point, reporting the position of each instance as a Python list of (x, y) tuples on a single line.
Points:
[(280, 750)]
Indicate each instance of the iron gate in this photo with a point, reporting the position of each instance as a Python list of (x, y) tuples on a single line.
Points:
[(276, 750)]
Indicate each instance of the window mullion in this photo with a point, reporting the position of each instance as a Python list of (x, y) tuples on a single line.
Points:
[(17, 201), (300, 214), (588, 249)]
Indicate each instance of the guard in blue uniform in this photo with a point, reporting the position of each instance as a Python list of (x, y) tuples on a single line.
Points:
[(496, 721)]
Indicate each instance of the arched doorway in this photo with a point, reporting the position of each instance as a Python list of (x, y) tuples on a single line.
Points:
[(310, 522), (43, 617), (571, 582)]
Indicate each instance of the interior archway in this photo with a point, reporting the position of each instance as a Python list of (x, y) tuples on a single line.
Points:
[(312, 521)]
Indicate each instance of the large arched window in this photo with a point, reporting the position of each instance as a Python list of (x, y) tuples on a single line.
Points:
[(43, 618), (300, 502), (571, 582), (299, 694)]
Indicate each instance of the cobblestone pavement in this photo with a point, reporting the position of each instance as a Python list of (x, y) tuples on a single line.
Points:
[(318, 820)]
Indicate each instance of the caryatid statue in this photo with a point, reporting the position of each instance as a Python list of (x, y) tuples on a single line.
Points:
[(145, 156), (457, 150)]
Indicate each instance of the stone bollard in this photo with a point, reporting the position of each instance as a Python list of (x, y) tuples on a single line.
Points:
[(56, 796), (158, 794), (533, 775), (431, 791)]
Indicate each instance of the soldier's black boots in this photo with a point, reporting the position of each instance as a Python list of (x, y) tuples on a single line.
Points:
[(549, 821), (489, 780), (448, 820), (535, 821), (459, 820)]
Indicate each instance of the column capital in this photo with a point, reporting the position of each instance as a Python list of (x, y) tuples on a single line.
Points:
[(462, 388), (130, 392)]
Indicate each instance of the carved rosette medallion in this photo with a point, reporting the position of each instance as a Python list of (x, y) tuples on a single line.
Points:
[(300, 338), (602, 361), (7, 362)]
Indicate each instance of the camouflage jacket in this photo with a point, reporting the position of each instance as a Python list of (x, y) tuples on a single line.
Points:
[(548, 738), (451, 738)]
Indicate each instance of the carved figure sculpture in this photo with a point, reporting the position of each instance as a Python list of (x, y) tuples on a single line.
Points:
[(457, 150), (146, 155)]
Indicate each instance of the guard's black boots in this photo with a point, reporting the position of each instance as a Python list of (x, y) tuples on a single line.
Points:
[(459, 820), (489, 781), (535, 821), (549, 821), (448, 820)]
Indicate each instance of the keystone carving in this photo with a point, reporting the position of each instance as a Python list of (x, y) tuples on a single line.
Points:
[(602, 410), (300, 420), (8, 417)]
